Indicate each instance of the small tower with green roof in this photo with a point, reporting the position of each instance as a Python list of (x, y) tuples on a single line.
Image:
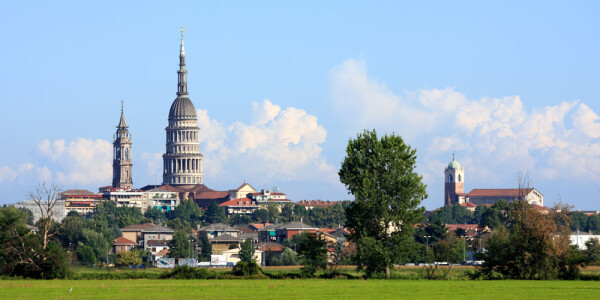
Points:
[(454, 178)]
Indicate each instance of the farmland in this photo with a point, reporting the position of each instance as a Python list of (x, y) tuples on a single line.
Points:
[(297, 289)]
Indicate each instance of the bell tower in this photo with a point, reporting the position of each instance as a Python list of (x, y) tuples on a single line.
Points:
[(454, 178), (122, 164)]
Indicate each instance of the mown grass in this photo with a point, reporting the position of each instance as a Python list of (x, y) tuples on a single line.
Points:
[(297, 289)]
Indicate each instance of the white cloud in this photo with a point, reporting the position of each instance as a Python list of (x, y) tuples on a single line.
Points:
[(495, 137), (278, 145), (154, 165), (83, 161)]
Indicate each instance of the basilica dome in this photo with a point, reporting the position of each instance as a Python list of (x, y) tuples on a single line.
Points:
[(182, 108)]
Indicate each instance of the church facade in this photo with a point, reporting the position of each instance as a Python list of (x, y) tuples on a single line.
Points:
[(454, 191)]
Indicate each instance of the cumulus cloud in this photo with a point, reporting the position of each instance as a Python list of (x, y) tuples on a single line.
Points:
[(493, 135), (278, 144), (82, 161), (154, 164)]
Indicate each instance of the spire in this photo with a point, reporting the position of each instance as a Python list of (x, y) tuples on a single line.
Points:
[(182, 73), (122, 123)]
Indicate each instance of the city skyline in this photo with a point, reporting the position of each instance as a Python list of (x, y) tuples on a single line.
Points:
[(280, 88)]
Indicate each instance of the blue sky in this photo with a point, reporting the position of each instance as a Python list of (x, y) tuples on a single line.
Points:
[(281, 87)]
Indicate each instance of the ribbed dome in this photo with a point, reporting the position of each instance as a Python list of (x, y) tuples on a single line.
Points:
[(182, 107)]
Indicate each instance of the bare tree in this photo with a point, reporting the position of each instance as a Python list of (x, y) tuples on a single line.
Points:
[(46, 197), (524, 184)]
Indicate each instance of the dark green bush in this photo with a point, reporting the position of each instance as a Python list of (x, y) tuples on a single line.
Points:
[(187, 272), (243, 268)]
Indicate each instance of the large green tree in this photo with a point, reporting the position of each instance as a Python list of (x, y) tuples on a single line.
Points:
[(181, 246), (247, 251), (380, 173)]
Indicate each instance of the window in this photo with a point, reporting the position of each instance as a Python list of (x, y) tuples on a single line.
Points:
[(450, 178), (459, 178)]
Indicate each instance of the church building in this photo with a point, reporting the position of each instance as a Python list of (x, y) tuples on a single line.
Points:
[(454, 191)]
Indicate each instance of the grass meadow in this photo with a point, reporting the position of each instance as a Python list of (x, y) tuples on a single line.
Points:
[(297, 289), (408, 283)]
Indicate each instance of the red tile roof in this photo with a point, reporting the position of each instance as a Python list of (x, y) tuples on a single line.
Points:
[(260, 225), (313, 203), (499, 192), (245, 202), (468, 204), (78, 193), (212, 195), (466, 227), (138, 227), (123, 241)]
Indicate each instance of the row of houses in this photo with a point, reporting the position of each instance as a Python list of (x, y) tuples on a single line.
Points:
[(242, 200), (224, 239)]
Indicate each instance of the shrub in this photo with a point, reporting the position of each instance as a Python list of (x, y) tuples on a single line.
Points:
[(246, 268), (187, 272)]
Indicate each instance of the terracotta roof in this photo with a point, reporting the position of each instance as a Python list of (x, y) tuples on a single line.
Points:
[(243, 185), (158, 242), (123, 241), (138, 227), (499, 192), (313, 203), (162, 252), (327, 230), (468, 204), (245, 230), (212, 195), (260, 226), (270, 246), (540, 207), (239, 202), (78, 192), (466, 227), (80, 203)]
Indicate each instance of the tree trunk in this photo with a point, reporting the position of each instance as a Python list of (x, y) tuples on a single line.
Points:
[(387, 272)]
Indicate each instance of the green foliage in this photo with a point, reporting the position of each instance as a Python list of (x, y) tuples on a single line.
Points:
[(54, 264), (260, 215), (244, 268), (247, 251), (451, 250), (240, 220), (181, 246), (313, 253), (273, 210), (215, 213), (187, 272), (100, 242), (454, 214), (288, 257), (496, 215), (186, 216), (69, 233), (155, 215), (331, 216), (533, 246), (205, 247), (128, 258), (21, 252), (592, 252), (86, 255), (380, 173), (300, 212)]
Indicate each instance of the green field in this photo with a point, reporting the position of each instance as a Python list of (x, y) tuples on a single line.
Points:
[(297, 289)]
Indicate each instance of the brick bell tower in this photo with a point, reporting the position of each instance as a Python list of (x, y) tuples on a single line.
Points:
[(122, 163), (454, 175)]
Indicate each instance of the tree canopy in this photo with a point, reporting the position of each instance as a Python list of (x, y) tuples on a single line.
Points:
[(380, 173)]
